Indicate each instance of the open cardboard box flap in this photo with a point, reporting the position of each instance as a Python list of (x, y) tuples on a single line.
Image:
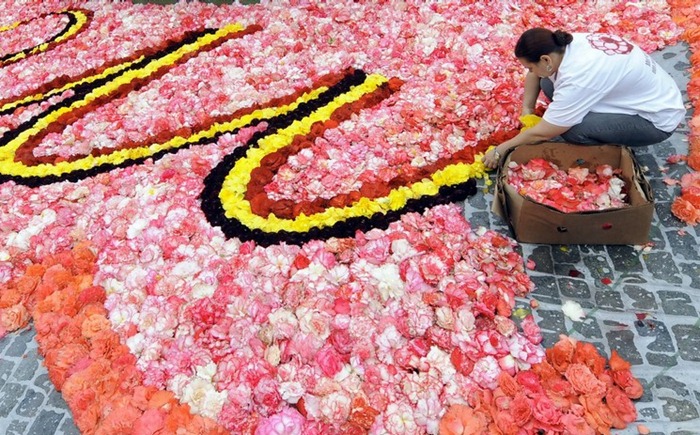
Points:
[(532, 222)]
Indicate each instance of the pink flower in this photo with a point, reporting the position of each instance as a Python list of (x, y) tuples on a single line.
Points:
[(329, 360), (286, 422), (266, 395), (546, 413), (531, 330)]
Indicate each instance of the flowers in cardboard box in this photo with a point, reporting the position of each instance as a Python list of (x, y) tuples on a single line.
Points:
[(573, 190)]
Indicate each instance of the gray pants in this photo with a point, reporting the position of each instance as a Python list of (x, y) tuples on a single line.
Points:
[(613, 128)]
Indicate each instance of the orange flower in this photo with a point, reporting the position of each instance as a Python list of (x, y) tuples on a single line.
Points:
[(27, 283), (561, 354), (561, 393), (362, 414), (119, 421), (150, 422), (14, 317), (463, 420), (93, 309), (576, 425), (162, 399), (85, 379), (694, 159), (51, 303), (597, 414), (617, 362), (178, 418), (508, 384), (106, 344), (628, 383), (584, 381), (685, 211), (587, 354), (95, 324), (57, 277), (9, 297), (60, 360), (84, 259), (521, 409), (201, 425), (621, 407), (93, 294), (81, 401), (87, 420), (547, 373), (505, 424)]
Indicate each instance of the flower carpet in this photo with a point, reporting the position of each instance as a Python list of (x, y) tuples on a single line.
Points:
[(239, 219)]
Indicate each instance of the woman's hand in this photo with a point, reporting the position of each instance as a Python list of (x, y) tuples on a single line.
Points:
[(492, 158)]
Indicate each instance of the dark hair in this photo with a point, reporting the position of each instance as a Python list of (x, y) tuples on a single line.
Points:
[(537, 42)]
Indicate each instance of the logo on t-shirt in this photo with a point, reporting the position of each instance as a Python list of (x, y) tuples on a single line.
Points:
[(609, 44)]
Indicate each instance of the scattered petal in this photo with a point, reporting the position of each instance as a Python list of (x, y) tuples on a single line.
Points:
[(576, 274), (643, 430), (676, 158)]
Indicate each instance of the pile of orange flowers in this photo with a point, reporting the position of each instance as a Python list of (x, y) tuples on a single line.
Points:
[(574, 391), (687, 14), (85, 359)]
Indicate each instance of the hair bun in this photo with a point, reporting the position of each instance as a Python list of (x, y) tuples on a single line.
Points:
[(562, 38)]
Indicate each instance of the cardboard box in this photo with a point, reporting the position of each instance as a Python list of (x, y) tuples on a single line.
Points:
[(532, 222)]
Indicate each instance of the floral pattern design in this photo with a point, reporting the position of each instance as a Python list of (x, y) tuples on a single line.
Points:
[(152, 318)]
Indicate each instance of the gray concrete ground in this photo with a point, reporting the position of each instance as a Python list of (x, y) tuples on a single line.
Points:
[(663, 284)]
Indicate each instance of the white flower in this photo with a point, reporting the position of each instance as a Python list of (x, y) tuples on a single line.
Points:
[(185, 269), (203, 398), (485, 85), (445, 318), (440, 361), (284, 323), (400, 419), (402, 249), (122, 314), (206, 371), (201, 290), (291, 392), (335, 406), (135, 343), (273, 354), (314, 322), (389, 281), (573, 311), (22, 238), (177, 384), (136, 227), (387, 341)]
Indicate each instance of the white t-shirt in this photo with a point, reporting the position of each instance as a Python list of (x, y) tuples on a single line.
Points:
[(605, 74)]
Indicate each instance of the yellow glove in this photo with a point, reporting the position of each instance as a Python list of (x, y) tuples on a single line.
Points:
[(529, 121)]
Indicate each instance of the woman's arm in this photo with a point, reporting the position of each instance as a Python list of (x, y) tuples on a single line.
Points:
[(541, 132), (532, 91)]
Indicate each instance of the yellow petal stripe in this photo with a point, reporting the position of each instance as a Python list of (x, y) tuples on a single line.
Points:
[(232, 194)]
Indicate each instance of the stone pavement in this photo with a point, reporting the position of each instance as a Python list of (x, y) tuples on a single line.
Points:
[(649, 313)]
